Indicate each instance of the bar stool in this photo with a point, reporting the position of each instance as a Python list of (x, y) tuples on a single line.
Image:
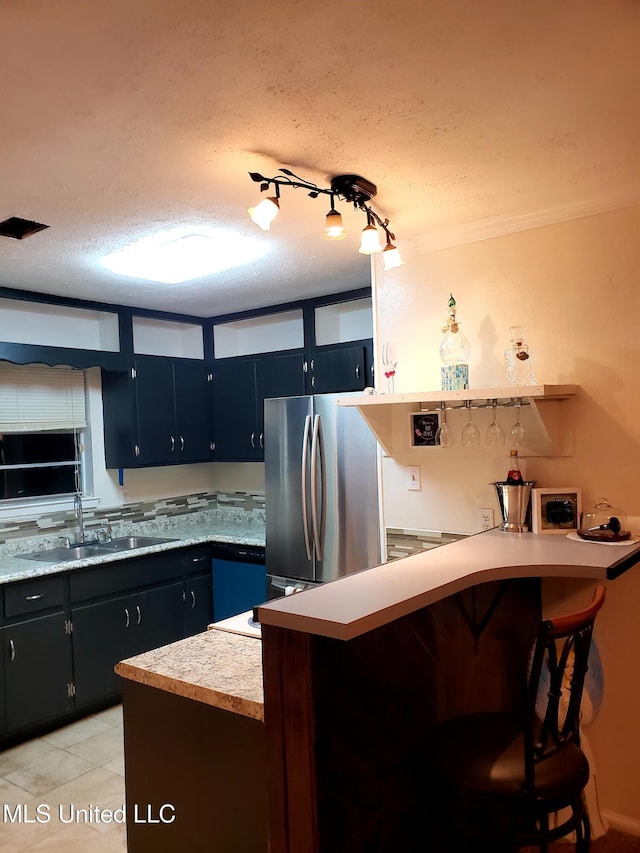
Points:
[(497, 780)]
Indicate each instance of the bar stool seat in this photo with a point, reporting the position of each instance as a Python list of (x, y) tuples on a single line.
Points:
[(485, 752), (497, 779)]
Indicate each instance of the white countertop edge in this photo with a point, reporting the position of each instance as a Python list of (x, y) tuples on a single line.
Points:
[(366, 600)]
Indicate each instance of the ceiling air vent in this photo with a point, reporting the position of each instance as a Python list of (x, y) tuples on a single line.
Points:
[(19, 228)]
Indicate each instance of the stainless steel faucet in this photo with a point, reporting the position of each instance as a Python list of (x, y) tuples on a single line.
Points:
[(77, 507)]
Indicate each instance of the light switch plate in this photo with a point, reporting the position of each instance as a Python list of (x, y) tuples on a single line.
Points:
[(413, 478)]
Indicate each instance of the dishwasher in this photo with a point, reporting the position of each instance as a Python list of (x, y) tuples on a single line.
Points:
[(239, 579)]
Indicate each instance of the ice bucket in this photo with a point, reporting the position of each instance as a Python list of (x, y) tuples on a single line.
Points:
[(515, 504)]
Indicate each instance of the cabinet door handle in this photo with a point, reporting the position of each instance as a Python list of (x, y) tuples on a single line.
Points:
[(34, 597), (193, 599), (126, 617), (253, 439), (181, 443), (199, 559), (13, 650), (173, 443), (357, 371), (139, 614), (261, 439)]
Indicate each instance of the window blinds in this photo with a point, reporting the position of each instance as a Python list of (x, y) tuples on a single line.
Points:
[(35, 397)]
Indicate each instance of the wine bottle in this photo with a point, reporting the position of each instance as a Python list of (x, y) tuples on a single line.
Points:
[(514, 477)]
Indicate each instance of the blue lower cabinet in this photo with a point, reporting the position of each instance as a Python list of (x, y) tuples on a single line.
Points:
[(237, 587)]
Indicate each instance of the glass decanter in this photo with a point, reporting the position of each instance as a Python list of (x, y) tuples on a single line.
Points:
[(519, 361)]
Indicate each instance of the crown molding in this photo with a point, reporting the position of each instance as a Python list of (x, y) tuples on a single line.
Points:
[(499, 226)]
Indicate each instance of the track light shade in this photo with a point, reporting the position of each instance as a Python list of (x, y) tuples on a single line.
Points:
[(334, 229), (370, 242), (391, 257), (265, 212)]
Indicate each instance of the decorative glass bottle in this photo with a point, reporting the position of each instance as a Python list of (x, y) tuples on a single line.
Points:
[(454, 353), (520, 362)]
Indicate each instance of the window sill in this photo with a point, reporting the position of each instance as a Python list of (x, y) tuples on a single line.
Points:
[(33, 507)]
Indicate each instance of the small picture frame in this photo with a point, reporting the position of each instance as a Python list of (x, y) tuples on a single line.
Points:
[(424, 426), (555, 510)]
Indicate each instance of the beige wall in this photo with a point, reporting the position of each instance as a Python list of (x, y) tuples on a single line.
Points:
[(575, 287)]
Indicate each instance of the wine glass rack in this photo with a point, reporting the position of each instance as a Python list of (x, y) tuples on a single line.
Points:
[(550, 408)]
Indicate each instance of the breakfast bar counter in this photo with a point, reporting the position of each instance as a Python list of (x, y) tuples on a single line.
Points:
[(368, 600), (357, 672)]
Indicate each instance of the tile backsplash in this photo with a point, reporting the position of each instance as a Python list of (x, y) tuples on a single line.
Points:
[(403, 542), (64, 523)]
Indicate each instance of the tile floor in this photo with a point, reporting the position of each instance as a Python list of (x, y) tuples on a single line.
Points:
[(76, 767)]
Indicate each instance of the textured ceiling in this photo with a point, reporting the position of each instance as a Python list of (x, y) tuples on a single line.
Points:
[(120, 117)]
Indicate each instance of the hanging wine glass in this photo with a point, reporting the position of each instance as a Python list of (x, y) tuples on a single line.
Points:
[(519, 435), (495, 433), (444, 437), (471, 433)]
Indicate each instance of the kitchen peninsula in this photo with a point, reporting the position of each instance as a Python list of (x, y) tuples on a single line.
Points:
[(355, 672)]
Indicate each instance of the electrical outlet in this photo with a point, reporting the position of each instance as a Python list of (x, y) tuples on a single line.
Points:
[(413, 482), (485, 519)]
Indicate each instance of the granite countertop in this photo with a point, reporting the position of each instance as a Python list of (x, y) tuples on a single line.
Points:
[(201, 528), (216, 668)]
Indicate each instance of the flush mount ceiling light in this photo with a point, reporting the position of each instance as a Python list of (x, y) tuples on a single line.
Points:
[(182, 254), (351, 188)]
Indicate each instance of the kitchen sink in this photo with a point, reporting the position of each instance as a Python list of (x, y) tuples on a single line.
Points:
[(95, 549), (64, 555), (128, 543)]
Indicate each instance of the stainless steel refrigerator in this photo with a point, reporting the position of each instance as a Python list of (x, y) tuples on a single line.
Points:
[(321, 492)]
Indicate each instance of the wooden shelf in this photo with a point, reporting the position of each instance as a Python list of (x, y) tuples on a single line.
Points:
[(550, 404)]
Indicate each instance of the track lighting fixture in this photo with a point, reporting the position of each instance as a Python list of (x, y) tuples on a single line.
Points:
[(351, 188)]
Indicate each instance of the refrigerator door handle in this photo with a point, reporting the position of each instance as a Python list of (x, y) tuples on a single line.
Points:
[(304, 469), (318, 464)]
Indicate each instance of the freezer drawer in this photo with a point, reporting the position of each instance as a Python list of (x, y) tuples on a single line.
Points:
[(278, 587)]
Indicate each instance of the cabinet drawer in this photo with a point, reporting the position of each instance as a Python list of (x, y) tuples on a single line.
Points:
[(197, 559), (124, 575), (33, 595)]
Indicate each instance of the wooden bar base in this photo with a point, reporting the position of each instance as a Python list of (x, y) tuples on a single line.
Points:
[(346, 721)]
